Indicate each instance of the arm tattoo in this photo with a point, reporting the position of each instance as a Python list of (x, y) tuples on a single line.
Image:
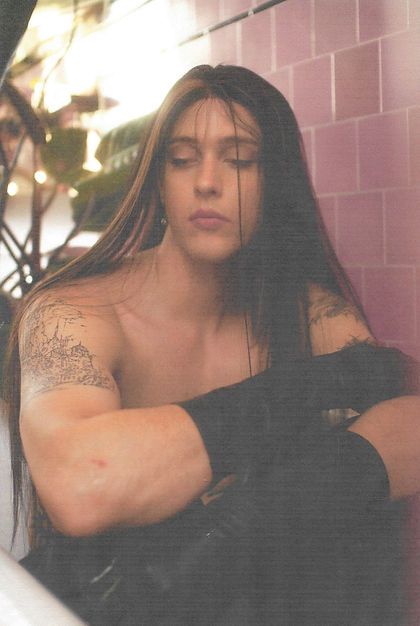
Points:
[(330, 306), (51, 355), (354, 341)]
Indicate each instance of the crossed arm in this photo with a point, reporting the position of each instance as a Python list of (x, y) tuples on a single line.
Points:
[(96, 465)]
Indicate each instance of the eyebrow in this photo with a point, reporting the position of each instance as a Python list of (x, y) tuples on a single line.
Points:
[(225, 141)]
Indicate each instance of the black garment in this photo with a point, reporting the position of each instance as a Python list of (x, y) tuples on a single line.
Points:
[(273, 550), (332, 541)]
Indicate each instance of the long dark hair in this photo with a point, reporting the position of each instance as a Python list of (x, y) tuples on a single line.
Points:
[(289, 251)]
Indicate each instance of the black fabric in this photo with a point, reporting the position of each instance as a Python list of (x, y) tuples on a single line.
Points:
[(316, 542), (236, 422), (187, 570), (307, 537), (331, 540)]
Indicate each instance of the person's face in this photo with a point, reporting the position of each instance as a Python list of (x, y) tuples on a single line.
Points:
[(211, 184)]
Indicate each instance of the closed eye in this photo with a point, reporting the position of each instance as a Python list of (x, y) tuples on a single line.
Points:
[(242, 163), (181, 162)]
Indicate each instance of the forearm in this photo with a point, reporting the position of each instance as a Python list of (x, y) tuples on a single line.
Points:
[(139, 466), (393, 428), (238, 423), (123, 467)]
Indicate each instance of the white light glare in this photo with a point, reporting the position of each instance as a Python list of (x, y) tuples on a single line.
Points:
[(40, 177), (72, 192), (56, 96), (92, 164), (12, 188)]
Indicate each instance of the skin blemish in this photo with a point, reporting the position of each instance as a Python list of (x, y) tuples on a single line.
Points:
[(99, 462)]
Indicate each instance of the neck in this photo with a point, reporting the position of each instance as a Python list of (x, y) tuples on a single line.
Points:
[(187, 290)]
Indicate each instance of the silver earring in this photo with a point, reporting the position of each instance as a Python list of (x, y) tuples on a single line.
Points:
[(163, 221)]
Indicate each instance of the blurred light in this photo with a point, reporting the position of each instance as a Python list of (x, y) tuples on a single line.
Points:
[(56, 96), (12, 188), (92, 165), (50, 22), (84, 239), (40, 177), (141, 46), (72, 192)]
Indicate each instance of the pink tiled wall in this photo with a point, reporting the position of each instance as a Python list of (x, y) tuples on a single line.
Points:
[(351, 71)]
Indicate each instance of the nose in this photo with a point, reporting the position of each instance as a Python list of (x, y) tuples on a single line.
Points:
[(208, 180)]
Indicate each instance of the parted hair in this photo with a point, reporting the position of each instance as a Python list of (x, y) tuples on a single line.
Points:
[(271, 275)]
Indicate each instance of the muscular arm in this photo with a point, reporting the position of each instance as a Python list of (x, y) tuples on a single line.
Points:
[(392, 427), (94, 464), (334, 322)]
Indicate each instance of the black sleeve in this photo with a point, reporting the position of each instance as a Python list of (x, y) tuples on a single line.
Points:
[(236, 422), (330, 541)]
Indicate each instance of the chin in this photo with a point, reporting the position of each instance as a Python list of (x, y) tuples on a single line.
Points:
[(213, 255)]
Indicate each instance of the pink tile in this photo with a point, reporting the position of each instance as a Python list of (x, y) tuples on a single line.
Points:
[(293, 31), (328, 214), (360, 229), (230, 8), (357, 81), (414, 144), (335, 158), (381, 17), (414, 13), (403, 226), (312, 91), (281, 79), (401, 70), (390, 302), (307, 146), (335, 25), (383, 146), (256, 42), (355, 275), (223, 45), (206, 13)]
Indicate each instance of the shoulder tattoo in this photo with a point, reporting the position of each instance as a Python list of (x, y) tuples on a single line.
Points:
[(331, 305), (51, 354), (355, 341)]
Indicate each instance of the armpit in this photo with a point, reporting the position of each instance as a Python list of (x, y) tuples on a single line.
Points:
[(53, 351)]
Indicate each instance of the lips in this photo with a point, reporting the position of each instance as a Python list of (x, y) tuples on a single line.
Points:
[(208, 220), (208, 214)]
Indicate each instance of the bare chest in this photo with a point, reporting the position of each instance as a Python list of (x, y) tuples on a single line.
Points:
[(165, 363)]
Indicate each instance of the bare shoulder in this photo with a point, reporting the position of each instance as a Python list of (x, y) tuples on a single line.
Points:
[(334, 322), (69, 336)]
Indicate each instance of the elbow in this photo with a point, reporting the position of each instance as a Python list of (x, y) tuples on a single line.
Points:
[(76, 510), (74, 517), (74, 524), (79, 506)]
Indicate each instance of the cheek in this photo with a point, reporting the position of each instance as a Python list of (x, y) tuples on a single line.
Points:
[(170, 196)]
